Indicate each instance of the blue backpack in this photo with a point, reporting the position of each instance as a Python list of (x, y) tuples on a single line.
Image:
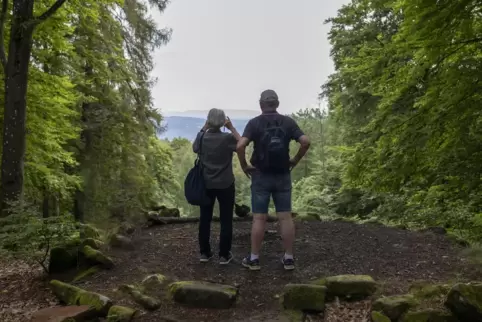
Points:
[(194, 186)]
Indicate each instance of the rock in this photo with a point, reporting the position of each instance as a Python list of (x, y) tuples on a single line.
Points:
[(428, 316), (94, 243), (96, 257), (465, 301), (89, 231), (379, 317), (86, 273), (62, 260), (126, 229), (148, 302), (429, 291), (241, 210), (73, 295), (305, 297), (435, 230), (170, 212), (394, 306), (350, 286), (62, 313), (154, 282), (120, 241), (203, 294), (121, 314)]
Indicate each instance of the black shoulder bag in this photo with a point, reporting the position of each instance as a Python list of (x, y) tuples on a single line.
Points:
[(194, 186)]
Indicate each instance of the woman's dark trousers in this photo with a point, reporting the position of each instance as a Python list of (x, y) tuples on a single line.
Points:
[(225, 199)]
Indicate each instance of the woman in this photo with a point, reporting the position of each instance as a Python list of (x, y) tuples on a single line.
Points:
[(216, 155)]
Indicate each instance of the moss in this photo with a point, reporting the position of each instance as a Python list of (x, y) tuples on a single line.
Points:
[(304, 297), (429, 291), (94, 243), (73, 295), (465, 300), (293, 316), (202, 294), (121, 314), (428, 316), (148, 302), (86, 273), (319, 281), (395, 306), (379, 317), (89, 231), (350, 286), (97, 257)]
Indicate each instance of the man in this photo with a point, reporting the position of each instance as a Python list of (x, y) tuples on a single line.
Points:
[(270, 173)]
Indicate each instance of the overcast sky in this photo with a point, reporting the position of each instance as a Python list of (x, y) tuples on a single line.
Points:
[(223, 53)]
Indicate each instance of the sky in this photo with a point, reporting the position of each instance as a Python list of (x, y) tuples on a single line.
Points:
[(224, 53)]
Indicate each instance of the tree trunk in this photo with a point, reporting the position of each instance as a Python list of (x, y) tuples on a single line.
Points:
[(15, 111), (45, 206)]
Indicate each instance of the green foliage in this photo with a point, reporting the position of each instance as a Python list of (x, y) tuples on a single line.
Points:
[(406, 97), (26, 235)]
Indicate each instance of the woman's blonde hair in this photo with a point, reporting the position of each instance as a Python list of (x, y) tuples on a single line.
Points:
[(216, 118)]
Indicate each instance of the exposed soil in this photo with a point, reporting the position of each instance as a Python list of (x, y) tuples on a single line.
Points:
[(394, 257)]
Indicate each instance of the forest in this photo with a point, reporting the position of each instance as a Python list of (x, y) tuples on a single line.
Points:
[(400, 141)]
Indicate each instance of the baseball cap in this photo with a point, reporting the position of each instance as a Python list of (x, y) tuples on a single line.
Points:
[(268, 96)]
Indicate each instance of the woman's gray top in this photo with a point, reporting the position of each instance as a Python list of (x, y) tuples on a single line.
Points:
[(217, 158)]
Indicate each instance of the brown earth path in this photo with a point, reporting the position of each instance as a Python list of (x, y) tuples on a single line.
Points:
[(394, 257)]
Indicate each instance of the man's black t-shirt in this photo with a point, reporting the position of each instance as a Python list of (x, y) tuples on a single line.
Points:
[(255, 129)]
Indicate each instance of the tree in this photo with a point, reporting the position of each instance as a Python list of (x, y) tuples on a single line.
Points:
[(16, 66)]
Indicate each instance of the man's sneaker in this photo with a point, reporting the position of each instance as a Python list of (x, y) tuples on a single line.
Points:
[(288, 263), (253, 265), (225, 260), (205, 258)]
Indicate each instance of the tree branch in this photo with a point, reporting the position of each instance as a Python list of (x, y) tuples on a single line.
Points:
[(50, 12), (3, 16)]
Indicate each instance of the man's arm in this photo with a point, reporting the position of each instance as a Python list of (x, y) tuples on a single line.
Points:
[(305, 143)]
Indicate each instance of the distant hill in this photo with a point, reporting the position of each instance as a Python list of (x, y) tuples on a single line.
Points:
[(233, 114), (188, 127)]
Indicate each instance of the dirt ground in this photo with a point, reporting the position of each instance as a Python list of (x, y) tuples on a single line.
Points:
[(394, 257)]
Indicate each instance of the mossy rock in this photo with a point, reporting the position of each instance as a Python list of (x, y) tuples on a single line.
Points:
[(86, 273), (428, 316), (379, 317), (89, 231), (304, 297), (292, 316), (62, 259), (121, 314), (119, 241), (73, 295), (170, 212), (97, 257), (126, 229), (465, 301), (425, 291), (395, 306), (154, 282), (203, 294), (94, 243), (350, 286), (147, 302)]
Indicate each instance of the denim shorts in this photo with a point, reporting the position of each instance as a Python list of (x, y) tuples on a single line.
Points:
[(265, 185)]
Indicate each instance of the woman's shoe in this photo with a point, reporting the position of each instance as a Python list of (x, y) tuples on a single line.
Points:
[(253, 265), (205, 258), (225, 260)]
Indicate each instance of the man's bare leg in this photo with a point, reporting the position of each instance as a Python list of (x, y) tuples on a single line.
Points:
[(257, 234), (287, 228)]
